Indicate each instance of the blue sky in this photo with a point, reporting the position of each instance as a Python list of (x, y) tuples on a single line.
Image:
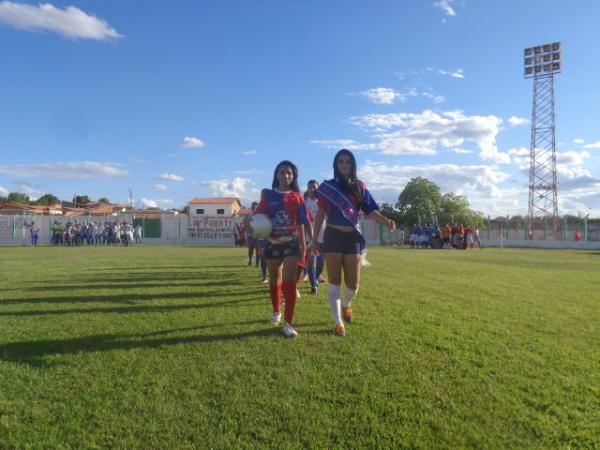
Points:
[(193, 98)]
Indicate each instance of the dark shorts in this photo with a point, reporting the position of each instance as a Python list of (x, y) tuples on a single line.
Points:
[(280, 251), (250, 242), (344, 242)]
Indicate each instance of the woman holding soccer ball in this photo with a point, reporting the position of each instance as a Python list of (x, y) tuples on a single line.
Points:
[(340, 200), (284, 205)]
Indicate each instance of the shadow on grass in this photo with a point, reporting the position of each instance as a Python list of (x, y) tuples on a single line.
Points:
[(126, 285), (130, 299), (34, 352)]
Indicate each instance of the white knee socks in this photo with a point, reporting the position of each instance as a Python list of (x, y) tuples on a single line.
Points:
[(349, 294), (335, 303)]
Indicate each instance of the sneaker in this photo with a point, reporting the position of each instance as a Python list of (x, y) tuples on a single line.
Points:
[(340, 330), (250, 262), (347, 314), (297, 294), (313, 290), (265, 281), (276, 318), (321, 279), (288, 331), (305, 278)]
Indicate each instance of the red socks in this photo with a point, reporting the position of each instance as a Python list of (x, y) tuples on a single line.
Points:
[(289, 291), (275, 292)]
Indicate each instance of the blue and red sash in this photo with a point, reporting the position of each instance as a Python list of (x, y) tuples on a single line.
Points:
[(331, 191)]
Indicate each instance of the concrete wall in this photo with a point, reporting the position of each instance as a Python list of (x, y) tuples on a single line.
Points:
[(219, 231)]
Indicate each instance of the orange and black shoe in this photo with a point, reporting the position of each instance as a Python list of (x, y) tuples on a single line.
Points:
[(347, 314), (340, 330)]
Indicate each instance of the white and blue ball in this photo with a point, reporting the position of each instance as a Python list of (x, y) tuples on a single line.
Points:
[(261, 226)]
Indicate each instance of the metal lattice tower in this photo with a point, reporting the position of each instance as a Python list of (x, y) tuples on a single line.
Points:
[(541, 63)]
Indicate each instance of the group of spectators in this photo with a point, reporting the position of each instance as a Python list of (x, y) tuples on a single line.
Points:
[(96, 233), (448, 237)]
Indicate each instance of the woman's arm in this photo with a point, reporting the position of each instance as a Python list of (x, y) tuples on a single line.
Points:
[(316, 229), (380, 218), (301, 241)]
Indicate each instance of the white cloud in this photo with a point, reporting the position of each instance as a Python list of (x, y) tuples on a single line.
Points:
[(247, 172), (344, 143), (191, 142), (70, 22), (242, 188), (388, 96), (578, 141), (444, 5), (29, 189), (149, 203), (4, 192), (480, 183), (169, 177), (249, 153), (436, 98), (461, 151), (571, 158), (593, 145), (423, 132), (520, 156), (64, 171), (516, 121), (159, 187), (458, 73)]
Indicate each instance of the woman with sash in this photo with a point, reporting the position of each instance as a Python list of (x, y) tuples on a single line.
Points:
[(340, 200), (286, 243)]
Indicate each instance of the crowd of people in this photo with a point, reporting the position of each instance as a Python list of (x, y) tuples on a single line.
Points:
[(95, 233), (448, 237)]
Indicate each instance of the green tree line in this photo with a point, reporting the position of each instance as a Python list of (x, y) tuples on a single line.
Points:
[(422, 202)]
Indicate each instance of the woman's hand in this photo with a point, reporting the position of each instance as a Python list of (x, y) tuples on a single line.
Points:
[(391, 224), (314, 248)]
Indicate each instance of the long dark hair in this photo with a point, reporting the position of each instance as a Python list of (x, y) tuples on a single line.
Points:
[(308, 184), (294, 184), (349, 185)]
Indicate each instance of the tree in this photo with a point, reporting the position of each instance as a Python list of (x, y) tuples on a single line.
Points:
[(81, 200), (17, 197), (419, 202), (391, 213), (103, 200), (47, 199)]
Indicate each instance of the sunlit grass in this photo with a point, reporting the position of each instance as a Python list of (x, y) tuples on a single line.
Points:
[(171, 347)]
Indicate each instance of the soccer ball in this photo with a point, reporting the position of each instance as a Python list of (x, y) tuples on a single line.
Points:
[(261, 226)]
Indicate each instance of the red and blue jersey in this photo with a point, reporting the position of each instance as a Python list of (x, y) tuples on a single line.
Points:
[(335, 216), (286, 210)]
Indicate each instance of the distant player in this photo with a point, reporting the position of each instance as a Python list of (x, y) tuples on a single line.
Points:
[(315, 262), (285, 245), (34, 231)]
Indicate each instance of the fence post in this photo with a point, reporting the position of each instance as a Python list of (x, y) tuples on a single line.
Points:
[(585, 229), (565, 237), (545, 229), (488, 227)]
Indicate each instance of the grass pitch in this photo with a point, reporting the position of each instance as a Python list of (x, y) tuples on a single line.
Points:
[(171, 347)]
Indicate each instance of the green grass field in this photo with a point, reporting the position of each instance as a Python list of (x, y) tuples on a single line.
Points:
[(171, 347)]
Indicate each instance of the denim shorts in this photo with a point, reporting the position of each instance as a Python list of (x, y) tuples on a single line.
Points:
[(279, 251), (344, 242)]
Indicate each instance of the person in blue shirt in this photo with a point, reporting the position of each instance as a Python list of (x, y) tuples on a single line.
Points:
[(340, 201)]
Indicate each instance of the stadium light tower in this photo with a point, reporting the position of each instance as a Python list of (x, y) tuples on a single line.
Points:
[(541, 63)]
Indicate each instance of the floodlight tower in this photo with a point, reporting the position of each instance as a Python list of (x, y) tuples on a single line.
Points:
[(541, 63)]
